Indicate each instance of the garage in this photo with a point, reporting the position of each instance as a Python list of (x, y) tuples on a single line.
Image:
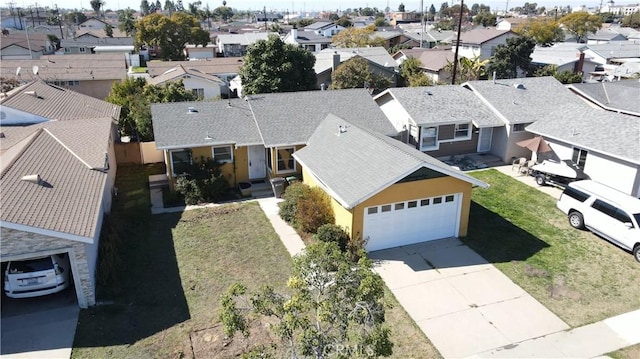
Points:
[(403, 223)]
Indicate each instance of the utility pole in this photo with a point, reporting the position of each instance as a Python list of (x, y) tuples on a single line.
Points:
[(59, 16), (264, 10), (37, 14), (455, 56), (421, 22)]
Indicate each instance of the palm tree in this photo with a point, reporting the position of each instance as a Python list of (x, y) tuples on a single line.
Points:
[(96, 5), (468, 69)]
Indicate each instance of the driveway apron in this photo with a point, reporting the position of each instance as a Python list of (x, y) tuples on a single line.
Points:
[(461, 302)]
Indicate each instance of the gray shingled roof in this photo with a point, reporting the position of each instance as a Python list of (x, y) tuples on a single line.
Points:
[(622, 96), (616, 49), (179, 72), (216, 65), (443, 104), (319, 25), (291, 117), (56, 103), (242, 39), (539, 97), (349, 164), (481, 35), (68, 67), (175, 127), (593, 129), (68, 202), (306, 37)]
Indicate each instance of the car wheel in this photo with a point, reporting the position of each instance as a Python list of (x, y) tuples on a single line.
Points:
[(576, 220), (636, 252), (540, 180)]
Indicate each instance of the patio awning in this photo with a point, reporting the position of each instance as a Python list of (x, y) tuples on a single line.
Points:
[(536, 144)]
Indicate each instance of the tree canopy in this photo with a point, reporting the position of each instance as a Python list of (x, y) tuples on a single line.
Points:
[(273, 66), (412, 74), (127, 22), (468, 69), (134, 96), (170, 34), (485, 19), (96, 5), (334, 307), (357, 37), (355, 73), (509, 57), (565, 77), (631, 20), (544, 32), (580, 24)]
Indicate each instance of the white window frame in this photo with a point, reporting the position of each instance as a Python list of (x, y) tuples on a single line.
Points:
[(576, 154), (227, 160), (422, 137), (171, 152), (457, 129), (82, 50), (67, 50), (199, 92), (278, 160)]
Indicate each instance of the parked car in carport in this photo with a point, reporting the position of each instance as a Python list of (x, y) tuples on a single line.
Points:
[(37, 276)]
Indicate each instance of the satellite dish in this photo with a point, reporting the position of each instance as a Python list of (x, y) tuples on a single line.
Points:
[(35, 69)]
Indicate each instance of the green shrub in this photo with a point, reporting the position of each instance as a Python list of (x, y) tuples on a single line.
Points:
[(203, 182), (291, 196), (330, 232), (313, 210), (355, 248)]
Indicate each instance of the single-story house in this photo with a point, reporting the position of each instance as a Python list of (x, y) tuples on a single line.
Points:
[(481, 42), (57, 171), (255, 137), (519, 103), (17, 45), (434, 61), (617, 96), (415, 198), (444, 120), (235, 45), (323, 28), (307, 39), (606, 145), (203, 85), (379, 60)]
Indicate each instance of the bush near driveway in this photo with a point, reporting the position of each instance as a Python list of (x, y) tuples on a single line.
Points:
[(579, 276)]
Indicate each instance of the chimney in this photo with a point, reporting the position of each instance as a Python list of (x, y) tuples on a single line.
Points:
[(294, 33), (494, 77), (580, 63), (336, 61)]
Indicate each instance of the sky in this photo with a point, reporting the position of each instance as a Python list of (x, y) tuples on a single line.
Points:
[(310, 5)]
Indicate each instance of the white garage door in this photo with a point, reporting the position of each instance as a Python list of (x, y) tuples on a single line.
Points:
[(403, 223)]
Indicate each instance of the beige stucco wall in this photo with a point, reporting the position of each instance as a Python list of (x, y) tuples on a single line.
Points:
[(15, 245)]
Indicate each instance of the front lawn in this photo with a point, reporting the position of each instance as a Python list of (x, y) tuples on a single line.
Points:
[(168, 271), (576, 274)]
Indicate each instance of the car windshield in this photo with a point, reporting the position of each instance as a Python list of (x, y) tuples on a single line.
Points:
[(31, 265), (637, 217)]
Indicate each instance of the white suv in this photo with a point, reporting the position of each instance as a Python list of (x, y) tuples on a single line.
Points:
[(37, 276), (605, 211)]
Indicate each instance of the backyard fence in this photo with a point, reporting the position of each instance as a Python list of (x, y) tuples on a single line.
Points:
[(138, 153)]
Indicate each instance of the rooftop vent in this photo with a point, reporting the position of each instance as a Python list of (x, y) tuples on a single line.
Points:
[(192, 109), (32, 93), (428, 93), (32, 178), (519, 86), (342, 129)]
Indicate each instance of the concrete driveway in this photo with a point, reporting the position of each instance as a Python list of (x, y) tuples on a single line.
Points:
[(460, 301), (42, 327)]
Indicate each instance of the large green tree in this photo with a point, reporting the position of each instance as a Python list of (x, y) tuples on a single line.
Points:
[(170, 34), (135, 96), (544, 32), (632, 20), (485, 19), (468, 69), (514, 55), (127, 22), (334, 307), (412, 74), (357, 37), (273, 66), (96, 5), (580, 24), (355, 73)]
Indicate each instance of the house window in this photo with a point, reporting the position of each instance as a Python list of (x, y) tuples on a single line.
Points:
[(412, 204), (67, 50), (386, 208), (519, 127), (82, 50), (372, 210), (579, 156), (180, 161), (399, 206), (286, 163), (424, 202), (429, 138), (198, 92), (437, 200), (74, 83), (449, 198), (223, 154), (463, 130)]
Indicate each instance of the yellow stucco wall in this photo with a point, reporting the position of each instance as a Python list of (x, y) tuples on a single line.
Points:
[(273, 172), (239, 168), (352, 220)]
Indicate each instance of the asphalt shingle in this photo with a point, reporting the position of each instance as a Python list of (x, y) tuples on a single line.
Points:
[(614, 96)]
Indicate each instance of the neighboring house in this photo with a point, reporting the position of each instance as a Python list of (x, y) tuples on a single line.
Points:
[(605, 37), (481, 42), (225, 68), (442, 121), (256, 136), (195, 52), (402, 17), (616, 96), (415, 198), (92, 23), (20, 46), (628, 32), (566, 57), (604, 144), (203, 85), (261, 16), (235, 45), (431, 38), (75, 72), (325, 29), (434, 62), (307, 39), (511, 23), (56, 177), (90, 44), (395, 38), (380, 62), (519, 103)]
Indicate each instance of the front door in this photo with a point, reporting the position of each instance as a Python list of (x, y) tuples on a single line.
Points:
[(484, 139), (257, 165)]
